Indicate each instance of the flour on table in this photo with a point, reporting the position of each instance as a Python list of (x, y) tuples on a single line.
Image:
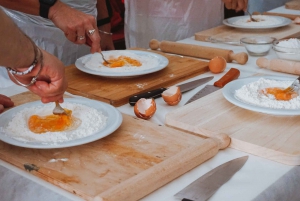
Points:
[(264, 21), (92, 121), (95, 61), (251, 94)]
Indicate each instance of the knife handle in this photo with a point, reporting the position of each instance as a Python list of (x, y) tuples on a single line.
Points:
[(232, 74), (156, 93)]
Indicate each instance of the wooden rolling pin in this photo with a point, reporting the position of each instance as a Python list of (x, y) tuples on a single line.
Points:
[(198, 51), (280, 65)]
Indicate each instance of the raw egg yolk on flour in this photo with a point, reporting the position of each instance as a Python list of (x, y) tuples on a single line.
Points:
[(122, 61), (281, 94), (50, 123)]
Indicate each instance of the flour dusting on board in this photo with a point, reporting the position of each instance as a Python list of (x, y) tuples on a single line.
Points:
[(92, 121), (252, 93), (95, 61)]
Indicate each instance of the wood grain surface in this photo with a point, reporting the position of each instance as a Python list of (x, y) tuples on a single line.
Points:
[(269, 136), (226, 33), (132, 162), (117, 91), (295, 5)]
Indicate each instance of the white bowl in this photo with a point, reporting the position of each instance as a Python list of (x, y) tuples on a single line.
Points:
[(286, 52), (258, 45)]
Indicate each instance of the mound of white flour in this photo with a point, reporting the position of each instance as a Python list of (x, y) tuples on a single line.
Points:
[(95, 61), (252, 94), (92, 121)]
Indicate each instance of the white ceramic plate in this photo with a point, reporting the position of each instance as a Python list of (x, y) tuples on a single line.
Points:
[(231, 22), (231, 87), (159, 62), (114, 120)]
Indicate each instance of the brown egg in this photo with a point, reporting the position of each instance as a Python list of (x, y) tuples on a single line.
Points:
[(217, 64), (172, 96), (145, 108)]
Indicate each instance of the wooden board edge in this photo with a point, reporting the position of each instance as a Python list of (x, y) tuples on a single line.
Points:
[(288, 159), (162, 173), (223, 139)]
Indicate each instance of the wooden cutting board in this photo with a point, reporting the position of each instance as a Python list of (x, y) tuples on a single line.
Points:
[(226, 33), (295, 5), (117, 91), (273, 137), (135, 160)]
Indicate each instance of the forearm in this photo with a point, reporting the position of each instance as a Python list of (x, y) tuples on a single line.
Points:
[(26, 6), (30, 6), (14, 42), (102, 9)]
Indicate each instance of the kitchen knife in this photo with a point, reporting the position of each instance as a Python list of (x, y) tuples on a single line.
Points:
[(232, 74), (156, 93), (205, 186)]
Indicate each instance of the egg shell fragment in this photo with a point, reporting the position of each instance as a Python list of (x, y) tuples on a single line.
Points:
[(217, 64), (172, 96), (145, 108)]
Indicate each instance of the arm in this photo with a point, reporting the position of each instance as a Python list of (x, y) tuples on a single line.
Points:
[(106, 39), (71, 21), (18, 52), (236, 5)]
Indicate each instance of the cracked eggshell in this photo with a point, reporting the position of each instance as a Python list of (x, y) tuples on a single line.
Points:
[(145, 108), (172, 95)]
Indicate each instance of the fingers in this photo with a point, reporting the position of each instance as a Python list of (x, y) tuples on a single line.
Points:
[(241, 5), (1, 108), (93, 39), (80, 37), (6, 101), (50, 92), (236, 5)]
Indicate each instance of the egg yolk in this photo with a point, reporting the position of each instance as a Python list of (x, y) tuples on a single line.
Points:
[(122, 61), (281, 94), (50, 123)]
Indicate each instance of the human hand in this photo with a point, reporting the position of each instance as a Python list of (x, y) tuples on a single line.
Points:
[(236, 5), (76, 25), (5, 102), (51, 82)]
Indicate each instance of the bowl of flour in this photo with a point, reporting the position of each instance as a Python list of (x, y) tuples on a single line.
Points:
[(288, 49), (97, 121), (247, 93)]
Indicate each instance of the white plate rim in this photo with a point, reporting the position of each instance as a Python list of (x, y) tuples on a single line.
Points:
[(114, 121), (229, 91), (228, 22), (162, 64)]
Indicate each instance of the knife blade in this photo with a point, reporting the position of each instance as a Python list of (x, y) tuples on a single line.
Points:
[(156, 93), (205, 186), (232, 74)]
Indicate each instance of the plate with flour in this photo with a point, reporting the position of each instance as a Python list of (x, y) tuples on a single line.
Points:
[(149, 63), (265, 22), (97, 120), (247, 93)]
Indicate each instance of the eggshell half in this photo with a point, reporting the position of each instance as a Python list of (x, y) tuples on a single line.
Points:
[(217, 64), (145, 108), (172, 96)]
